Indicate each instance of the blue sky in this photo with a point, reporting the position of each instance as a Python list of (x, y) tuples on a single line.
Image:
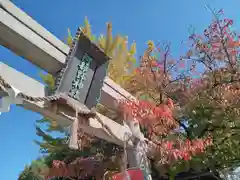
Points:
[(139, 20)]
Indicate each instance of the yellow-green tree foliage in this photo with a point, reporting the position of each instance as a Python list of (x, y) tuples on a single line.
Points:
[(123, 58)]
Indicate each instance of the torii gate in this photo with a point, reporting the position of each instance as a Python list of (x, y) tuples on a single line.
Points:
[(24, 36)]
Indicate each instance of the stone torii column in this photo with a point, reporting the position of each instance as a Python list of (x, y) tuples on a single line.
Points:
[(137, 155)]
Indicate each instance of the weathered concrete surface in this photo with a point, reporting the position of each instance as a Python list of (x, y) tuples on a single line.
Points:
[(36, 89), (24, 36)]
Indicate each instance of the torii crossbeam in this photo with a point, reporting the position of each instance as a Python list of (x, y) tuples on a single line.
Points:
[(24, 36)]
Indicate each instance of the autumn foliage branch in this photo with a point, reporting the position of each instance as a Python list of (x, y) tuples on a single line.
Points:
[(168, 93)]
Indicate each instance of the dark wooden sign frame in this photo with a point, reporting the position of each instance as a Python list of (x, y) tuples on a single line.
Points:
[(84, 72)]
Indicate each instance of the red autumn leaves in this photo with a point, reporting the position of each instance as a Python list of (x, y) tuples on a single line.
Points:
[(185, 149), (149, 115), (143, 109), (157, 119), (81, 167)]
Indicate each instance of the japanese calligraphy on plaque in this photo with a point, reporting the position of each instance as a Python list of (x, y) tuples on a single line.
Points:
[(78, 81), (84, 71)]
